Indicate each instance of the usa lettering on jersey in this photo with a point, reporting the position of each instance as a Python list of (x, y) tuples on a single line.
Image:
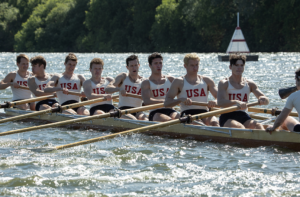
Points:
[(99, 90), (159, 92), (22, 83), (195, 93), (69, 86), (238, 97), (133, 90), (42, 87)]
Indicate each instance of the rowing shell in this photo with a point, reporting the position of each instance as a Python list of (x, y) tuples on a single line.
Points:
[(245, 137)]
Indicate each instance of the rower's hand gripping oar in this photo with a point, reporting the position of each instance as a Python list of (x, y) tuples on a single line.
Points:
[(117, 113), (187, 119), (285, 92), (53, 110)]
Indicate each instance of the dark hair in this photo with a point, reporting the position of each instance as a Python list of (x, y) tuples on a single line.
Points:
[(130, 58), (19, 57), (96, 61), (235, 57), (153, 56), (297, 72), (38, 60), (71, 56)]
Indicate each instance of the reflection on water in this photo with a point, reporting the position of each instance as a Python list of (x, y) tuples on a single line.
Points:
[(141, 165)]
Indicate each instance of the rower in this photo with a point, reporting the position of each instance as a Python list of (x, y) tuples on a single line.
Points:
[(285, 121), (235, 90), (62, 83), (129, 83), (155, 88), (38, 82), (192, 87), (95, 88), (19, 78)]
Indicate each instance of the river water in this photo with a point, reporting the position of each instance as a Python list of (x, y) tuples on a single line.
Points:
[(141, 165)]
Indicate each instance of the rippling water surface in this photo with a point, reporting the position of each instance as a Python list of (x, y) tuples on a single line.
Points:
[(141, 165)]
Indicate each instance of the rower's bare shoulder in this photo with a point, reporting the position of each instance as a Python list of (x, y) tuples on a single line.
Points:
[(223, 83), (87, 83), (145, 84), (11, 75), (208, 79), (55, 76), (170, 78), (109, 79), (81, 77)]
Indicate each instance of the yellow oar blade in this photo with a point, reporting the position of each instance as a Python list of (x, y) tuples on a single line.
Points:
[(151, 127)]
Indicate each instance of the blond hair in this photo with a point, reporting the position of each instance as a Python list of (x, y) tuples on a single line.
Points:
[(96, 61), (190, 56)]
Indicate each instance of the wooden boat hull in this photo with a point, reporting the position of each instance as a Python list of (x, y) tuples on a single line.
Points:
[(245, 137)]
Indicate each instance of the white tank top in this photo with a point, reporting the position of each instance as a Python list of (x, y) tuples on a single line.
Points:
[(42, 84), (72, 85), (238, 94), (100, 89), (159, 91), (133, 88), (196, 92), (18, 93)]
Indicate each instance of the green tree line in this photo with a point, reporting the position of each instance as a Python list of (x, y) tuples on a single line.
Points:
[(147, 25)]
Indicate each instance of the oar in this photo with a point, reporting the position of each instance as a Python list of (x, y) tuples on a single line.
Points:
[(54, 110), (147, 128), (117, 113), (15, 103), (269, 111), (285, 92)]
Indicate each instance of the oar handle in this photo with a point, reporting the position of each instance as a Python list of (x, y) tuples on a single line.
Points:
[(88, 102), (269, 111), (200, 103), (15, 103), (134, 95)]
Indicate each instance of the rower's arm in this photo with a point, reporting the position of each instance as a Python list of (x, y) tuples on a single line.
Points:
[(174, 90), (262, 99), (51, 85), (87, 88), (146, 94), (281, 118), (211, 86), (6, 82), (114, 86), (33, 87), (222, 101)]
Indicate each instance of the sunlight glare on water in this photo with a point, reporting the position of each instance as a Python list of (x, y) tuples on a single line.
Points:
[(142, 165)]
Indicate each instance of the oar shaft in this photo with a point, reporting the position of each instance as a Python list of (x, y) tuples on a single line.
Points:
[(134, 95), (269, 111), (146, 128), (86, 118), (154, 126), (15, 103)]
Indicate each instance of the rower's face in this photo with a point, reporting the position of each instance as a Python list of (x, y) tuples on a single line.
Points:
[(133, 67), (36, 68), (23, 65), (156, 65), (192, 66), (70, 66), (238, 68), (96, 70)]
